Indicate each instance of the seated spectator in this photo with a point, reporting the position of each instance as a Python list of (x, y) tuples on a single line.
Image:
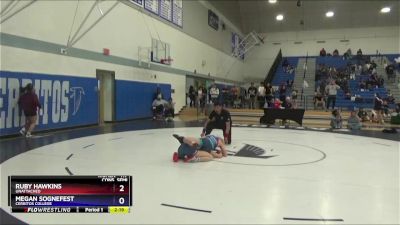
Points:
[(390, 71), (359, 52), (363, 115), (362, 86), (319, 101), (329, 54), (354, 122), (380, 81), (285, 63), (347, 95), (336, 120), (335, 52), (385, 107), (373, 64), (277, 104), (158, 107), (390, 99), (158, 93), (287, 104), (169, 110), (322, 52)]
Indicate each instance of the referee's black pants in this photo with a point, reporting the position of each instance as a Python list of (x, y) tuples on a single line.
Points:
[(213, 125)]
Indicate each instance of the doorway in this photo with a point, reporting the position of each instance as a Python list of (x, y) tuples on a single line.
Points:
[(106, 88)]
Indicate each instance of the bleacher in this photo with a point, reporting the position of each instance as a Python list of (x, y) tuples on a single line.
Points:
[(281, 76), (332, 61), (366, 96)]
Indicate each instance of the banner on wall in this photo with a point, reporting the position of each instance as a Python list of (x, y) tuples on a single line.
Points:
[(213, 20), (137, 2), (177, 12), (152, 6), (237, 49), (166, 9), (66, 101)]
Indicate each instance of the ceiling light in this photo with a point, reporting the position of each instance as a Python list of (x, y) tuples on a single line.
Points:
[(272, 1), (385, 10), (329, 14), (279, 17)]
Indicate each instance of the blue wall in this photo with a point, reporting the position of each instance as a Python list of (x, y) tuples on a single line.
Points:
[(69, 101), (134, 99), (66, 101)]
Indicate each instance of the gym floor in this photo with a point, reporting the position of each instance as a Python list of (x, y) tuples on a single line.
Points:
[(300, 176)]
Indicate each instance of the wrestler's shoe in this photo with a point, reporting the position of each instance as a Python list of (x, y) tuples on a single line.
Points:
[(179, 138), (175, 157)]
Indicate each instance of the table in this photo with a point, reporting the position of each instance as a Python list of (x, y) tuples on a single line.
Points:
[(270, 115)]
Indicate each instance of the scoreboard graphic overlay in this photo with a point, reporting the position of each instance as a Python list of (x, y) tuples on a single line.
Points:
[(70, 194)]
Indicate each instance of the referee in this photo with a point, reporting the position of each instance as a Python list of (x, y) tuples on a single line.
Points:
[(219, 119)]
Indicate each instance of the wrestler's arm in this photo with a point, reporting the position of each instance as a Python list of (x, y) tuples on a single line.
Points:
[(221, 145)]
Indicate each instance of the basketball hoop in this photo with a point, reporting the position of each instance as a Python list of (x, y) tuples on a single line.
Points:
[(166, 61)]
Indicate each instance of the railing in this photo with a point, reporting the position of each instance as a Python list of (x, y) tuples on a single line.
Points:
[(304, 77), (274, 67)]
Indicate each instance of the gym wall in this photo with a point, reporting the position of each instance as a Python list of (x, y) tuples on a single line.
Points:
[(370, 39), (32, 40)]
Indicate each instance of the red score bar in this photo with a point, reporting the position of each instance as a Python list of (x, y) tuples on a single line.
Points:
[(81, 189)]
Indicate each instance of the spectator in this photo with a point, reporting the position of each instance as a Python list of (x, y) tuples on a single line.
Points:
[(336, 120), (385, 108), (294, 97), (214, 93), (390, 71), (363, 115), (269, 94), (282, 92), (225, 95), (192, 96), (158, 92), (335, 52), (362, 85), (347, 54), (322, 52), (170, 109), (353, 122), (380, 81), (287, 104), (347, 95), (158, 107), (201, 97), (373, 64), (390, 99), (378, 108), (319, 101), (252, 91), (277, 104), (331, 90), (29, 103), (285, 63), (235, 95), (359, 52), (261, 95)]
